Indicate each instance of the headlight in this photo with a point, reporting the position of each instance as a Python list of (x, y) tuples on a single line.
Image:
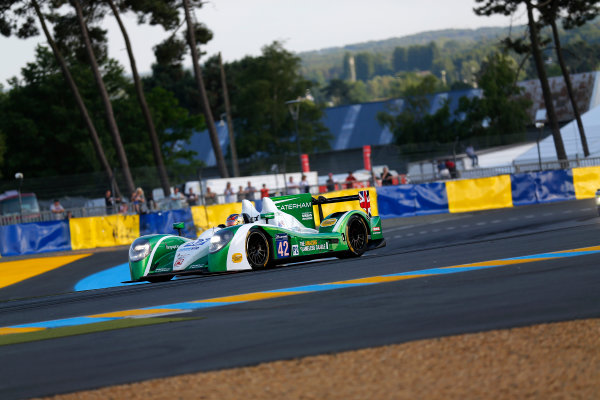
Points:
[(139, 249), (220, 240)]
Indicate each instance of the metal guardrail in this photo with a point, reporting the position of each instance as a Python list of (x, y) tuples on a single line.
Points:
[(126, 208), (528, 166)]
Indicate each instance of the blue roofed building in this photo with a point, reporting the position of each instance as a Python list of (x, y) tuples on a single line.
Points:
[(356, 125)]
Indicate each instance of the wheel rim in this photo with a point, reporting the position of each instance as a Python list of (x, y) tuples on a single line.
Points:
[(357, 235), (257, 249)]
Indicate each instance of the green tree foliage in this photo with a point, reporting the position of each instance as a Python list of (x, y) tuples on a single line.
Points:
[(420, 58), (2, 135), (502, 110), (339, 92), (365, 66), (264, 127), (414, 123), (44, 133), (168, 71), (400, 59)]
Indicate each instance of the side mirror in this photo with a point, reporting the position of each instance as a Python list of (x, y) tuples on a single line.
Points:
[(179, 227), (267, 216)]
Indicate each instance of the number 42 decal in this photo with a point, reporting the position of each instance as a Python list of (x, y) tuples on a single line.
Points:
[(283, 248)]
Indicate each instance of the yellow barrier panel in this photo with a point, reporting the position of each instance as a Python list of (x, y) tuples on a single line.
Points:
[(346, 206), (586, 181), (211, 216), (479, 194), (111, 230)]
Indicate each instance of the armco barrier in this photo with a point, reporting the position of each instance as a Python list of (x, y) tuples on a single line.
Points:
[(542, 187), (107, 231), (411, 200), (34, 237), (162, 222)]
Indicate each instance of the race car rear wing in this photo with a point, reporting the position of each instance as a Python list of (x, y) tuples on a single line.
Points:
[(362, 197)]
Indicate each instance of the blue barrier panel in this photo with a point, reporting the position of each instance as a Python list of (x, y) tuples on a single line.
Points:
[(555, 186), (431, 198), (411, 200), (523, 188), (34, 237), (162, 222), (542, 187), (396, 201)]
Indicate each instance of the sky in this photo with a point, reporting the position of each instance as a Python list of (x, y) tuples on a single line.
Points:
[(243, 27)]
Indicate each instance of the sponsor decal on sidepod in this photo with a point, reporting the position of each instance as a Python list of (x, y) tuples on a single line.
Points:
[(328, 222)]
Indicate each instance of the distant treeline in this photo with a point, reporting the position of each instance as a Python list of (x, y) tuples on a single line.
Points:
[(452, 55)]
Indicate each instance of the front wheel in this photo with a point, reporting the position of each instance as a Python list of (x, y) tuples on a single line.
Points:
[(257, 249), (357, 236)]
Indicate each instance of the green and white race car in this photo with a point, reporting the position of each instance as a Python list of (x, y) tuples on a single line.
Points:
[(283, 232)]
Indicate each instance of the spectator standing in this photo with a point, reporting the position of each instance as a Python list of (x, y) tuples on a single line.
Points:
[(386, 177), (177, 199), (292, 188), (192, 198), (229, 196), (121, 205), (264, 192), (471, 153), (250, 191), (330, 183), (350, 180), (241, 194), (210, 197), (57, 210), (109, 201), (304, 186), (150, 203), (138, 200), (451, 168)]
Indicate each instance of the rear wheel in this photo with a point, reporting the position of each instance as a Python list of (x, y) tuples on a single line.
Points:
[(257, 249), (357, 236)]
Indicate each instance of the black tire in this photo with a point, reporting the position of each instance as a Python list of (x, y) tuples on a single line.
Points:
[(160, 278), (257, 249), (357, 236)]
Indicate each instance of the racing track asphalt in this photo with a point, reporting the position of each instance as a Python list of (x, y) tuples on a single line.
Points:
[(320, 322)]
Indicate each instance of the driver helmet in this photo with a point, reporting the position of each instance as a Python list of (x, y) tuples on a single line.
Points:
[(235, 219)]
